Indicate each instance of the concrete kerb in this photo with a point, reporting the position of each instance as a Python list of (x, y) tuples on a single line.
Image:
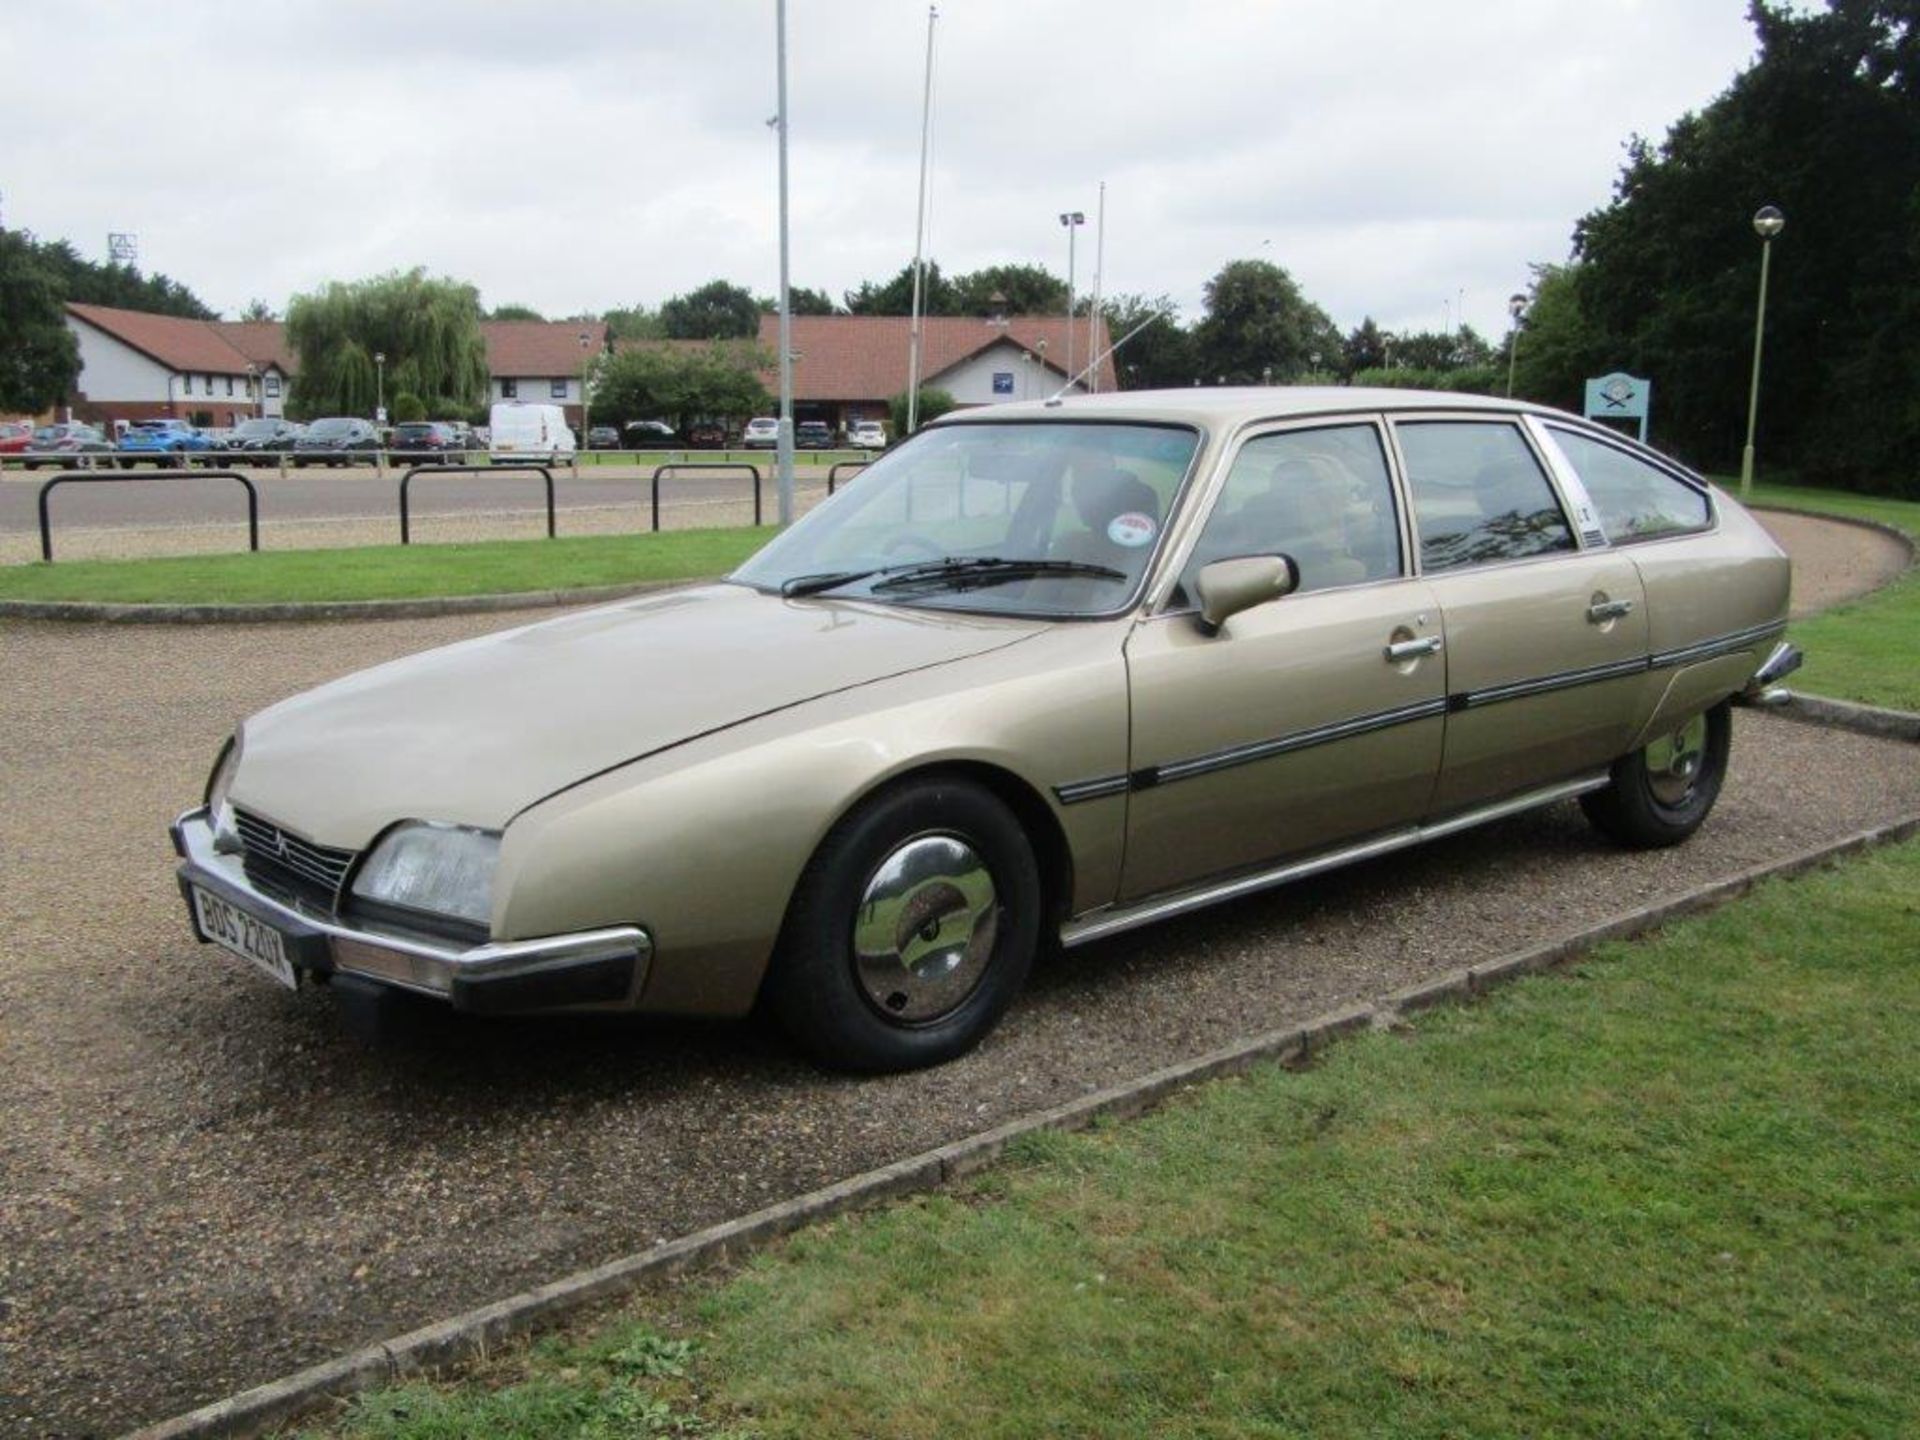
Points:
[(96, 612), (1846, 715), (476, 1334)]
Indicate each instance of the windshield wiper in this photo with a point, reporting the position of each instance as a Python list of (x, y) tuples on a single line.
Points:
[(960, 572), (971, 572)]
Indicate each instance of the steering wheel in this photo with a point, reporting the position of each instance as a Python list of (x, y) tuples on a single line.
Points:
[(910, 545)]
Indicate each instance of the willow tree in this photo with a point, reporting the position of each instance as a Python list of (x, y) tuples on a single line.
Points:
[(428, 330)]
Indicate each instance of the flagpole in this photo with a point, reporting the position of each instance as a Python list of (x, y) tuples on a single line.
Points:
[(920, 235)]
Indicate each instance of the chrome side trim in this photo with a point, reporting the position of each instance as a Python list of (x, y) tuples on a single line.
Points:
[(1098, 924), (1722, 644), (1299, 740), (1541, 685)]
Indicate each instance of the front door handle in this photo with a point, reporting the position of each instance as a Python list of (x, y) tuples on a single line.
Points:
[(1401, 650), (1602, 611)]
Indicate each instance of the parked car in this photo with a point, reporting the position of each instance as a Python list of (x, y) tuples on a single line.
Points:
[(813, 435), (535, 431), (1199, 644), (336, 440), (867, 435), (66, 445), (422, 441), (762, 433), (161, 442), (263, 438), (603, 437), (706, 435), (15, 435), (650, 435)]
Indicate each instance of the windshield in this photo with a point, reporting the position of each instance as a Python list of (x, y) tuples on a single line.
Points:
[(247, 429), (1085, 501), (328, 429)]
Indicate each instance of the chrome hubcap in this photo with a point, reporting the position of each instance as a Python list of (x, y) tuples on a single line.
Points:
[(1674, 761), (925, 927)]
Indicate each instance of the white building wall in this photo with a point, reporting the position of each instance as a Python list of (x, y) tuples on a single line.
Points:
[(971, 382), (113, 372), (536, 389)]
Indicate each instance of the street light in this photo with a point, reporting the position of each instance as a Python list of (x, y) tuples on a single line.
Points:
[(586, 356), (1767, 223), (380, 387), (1072, 220), (1516, 307)]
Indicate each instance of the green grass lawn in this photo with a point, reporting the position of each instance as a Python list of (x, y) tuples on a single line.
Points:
[(388, 572), (1869, 649), (1671, 1192)]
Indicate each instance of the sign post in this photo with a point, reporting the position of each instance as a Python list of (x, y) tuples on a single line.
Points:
[(1620, 396)]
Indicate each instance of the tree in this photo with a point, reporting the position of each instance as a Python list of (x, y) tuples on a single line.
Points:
[(429, 331), (39, 356), (408, 407), (1365, 348), (515, 312), (801, 301), (634, 322), (1160, 354), (1557, 349), (88, 282), (718, 310), (895, 297), (1259, 324), (933, 404), (681, 383), (1669, 267), (259, 312), (1024, 290)]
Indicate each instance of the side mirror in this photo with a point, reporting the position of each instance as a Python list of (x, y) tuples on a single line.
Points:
[(1229, 586)]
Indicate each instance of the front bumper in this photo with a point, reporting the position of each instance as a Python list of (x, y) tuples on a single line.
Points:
[(599, 969)]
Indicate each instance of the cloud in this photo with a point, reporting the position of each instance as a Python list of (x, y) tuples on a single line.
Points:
[(1390, 153)]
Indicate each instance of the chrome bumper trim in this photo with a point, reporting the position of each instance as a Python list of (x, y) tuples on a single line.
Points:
[(448, 971)]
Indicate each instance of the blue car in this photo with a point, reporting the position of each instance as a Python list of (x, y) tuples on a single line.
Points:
[(161, 442)]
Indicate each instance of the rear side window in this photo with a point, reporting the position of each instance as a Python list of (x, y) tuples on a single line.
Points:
[(1636, 501), (1479, 496)]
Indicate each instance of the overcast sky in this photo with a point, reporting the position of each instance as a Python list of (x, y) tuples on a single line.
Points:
[(1391, 154)]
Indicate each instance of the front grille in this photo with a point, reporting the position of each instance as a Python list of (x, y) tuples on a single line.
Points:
[(284, 862)]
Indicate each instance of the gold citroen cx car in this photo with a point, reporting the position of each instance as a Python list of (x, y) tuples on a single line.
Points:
[(1045, 672)]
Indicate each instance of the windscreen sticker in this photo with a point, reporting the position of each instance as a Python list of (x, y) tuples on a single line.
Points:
[(1131, 529)]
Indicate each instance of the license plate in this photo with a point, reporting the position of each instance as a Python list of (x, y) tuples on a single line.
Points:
[(252, 940)]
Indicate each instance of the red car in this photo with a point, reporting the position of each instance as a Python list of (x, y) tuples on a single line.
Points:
[(14, 437)]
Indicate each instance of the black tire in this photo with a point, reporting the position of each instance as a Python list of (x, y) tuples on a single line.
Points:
[(1660, 795), (932, 840)]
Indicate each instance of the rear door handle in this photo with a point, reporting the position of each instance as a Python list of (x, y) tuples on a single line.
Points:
[(1602, 611), (1401, 650)]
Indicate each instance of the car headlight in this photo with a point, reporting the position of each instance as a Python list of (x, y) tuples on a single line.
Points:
[(226, 837), (434, 868)]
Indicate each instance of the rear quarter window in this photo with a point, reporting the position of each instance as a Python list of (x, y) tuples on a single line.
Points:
[(1635, 500)]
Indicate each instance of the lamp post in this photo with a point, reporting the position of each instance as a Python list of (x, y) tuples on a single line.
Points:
[(1516, 307), (1767, 223), (253, 388), (586, 358), (1072, 220), (380, 387)]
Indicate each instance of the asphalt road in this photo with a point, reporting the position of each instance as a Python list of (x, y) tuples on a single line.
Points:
[(205, 1182)]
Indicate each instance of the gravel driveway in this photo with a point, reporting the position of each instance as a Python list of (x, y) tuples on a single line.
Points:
[(205, 1182)]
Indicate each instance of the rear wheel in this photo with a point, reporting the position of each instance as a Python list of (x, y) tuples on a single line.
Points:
[(911, 930), (1660, 795)]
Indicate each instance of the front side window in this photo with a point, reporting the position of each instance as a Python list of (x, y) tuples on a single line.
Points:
[(1036, 518), (1636, 501), (1479, 496), (1322, 496)]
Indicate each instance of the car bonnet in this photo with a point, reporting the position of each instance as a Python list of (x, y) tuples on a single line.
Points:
[(475, 732)]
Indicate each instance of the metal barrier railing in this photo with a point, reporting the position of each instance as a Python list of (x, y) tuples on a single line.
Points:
[(735, 466), (406, 482), (94, 477), (852, 467)]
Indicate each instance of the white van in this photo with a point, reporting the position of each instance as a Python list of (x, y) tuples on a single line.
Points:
[(524, 429)]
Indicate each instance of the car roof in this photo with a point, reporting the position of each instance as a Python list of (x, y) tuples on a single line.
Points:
[(1229, 406)]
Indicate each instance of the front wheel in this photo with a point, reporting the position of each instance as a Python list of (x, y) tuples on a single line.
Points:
[(1660, 795), (911, 930)]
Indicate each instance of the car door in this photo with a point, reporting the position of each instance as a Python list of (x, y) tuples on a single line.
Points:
[(1305, 721), (1546, 638)]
